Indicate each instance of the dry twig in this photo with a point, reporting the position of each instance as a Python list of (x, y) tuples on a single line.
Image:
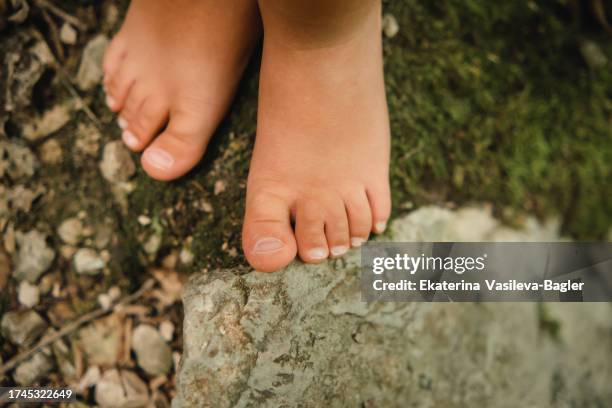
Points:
[(86, 318)]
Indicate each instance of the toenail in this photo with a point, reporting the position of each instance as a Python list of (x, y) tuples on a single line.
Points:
[(317, 253), (381, 226), (356, 242), (339, 250), (159, 158), (122, 123), (129, 139), (268, 245), (110, 102)]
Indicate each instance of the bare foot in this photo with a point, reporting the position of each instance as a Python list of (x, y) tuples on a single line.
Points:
[(171, 73), (322, 150)]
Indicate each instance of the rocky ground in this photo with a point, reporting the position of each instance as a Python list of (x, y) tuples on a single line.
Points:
[(506, 104)]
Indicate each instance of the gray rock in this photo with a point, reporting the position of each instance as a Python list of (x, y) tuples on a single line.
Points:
[(34, 369), (88, 262), (71, 231), (153, 354), (22, 328), (121, 389), (117, 164), (90, 71), (302, 337), (34, 256)]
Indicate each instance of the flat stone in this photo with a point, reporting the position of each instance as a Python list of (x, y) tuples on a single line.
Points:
[(90, 71), (153, 354), (121, 389), (49, 122), (303, 337), (34, 369), (34, 256), (101, 341), (117, 164), (22, 328)]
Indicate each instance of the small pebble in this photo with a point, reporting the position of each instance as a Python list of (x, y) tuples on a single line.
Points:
[(68, 34), (390, 25), (29, 295), (166, 330), (144, 220), (220, 187), (51, 152), (88, 262), (71, 231), (186, 256), (153, 354)]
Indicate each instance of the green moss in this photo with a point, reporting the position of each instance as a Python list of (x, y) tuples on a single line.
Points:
[(492, 102)]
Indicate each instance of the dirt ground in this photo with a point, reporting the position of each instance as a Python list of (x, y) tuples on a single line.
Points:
[(507, 104)]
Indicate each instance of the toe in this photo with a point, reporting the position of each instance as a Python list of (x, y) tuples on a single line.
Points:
[(359, 216), (179, 148), (337, 228), (379, 198), (113, 56), (267, 237), (118, 86), (144, 123), (310, 232)]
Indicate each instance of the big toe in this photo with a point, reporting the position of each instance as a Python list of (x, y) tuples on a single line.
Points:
[(179, 148), (267, 238)]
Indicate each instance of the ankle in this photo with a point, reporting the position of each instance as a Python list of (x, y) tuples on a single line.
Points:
[(317, 23)]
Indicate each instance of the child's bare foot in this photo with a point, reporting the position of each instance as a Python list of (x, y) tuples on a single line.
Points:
[(322, 151), (173, 68)]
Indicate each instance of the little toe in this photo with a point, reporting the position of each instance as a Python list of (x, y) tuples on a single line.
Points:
[(310, 232), (379, 197), (359, 216), (267, 238), (118, 86), (146, 123), (179, 148)]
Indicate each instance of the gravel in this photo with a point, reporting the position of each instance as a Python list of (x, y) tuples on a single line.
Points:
[(29, 295), (121, 389), (117, 164), (71, 231), (22, 328), (88, 262), (153, 354), (34, 256)]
